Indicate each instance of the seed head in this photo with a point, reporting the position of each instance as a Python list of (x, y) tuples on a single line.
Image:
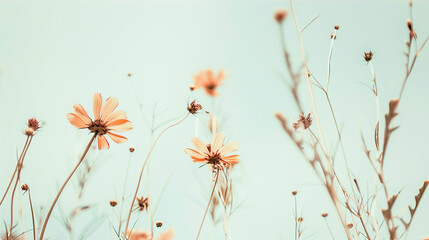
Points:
[(129, 74), (113, 203), (337, 27), (280, 15), (194, 107), (324, 215), (294, 192), (303, 122), (159, 224), (25, 187), (410, 25), (192, 87), (143, 203), (368, 56), (350, 225), (132, 149), (300, 219)]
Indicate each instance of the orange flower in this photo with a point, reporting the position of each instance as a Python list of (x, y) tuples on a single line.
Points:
[(206, 79), (105, 120), (214, 153)]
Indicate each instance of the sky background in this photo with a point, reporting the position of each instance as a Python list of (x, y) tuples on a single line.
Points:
[(54, 54)]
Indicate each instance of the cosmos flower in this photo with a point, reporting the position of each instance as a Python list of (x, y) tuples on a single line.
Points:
[(206, 79), (105, 120), (214, 153)]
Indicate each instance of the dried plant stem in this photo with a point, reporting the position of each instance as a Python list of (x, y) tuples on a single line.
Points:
[(32, 215), (16, 169), (329, 228), (329, 59), (208, 205), (296, 217), (143, 167), (123, 195), (63, 186), (18, 176)]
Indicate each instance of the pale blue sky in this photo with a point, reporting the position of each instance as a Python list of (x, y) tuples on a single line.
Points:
[(54, 54)]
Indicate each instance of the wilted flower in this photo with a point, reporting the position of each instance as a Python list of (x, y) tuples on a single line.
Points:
[(194, 107), (142, 203), (32, 126), (206, 79), (214, 153), (303, 122), (368, 56), (105, 120)]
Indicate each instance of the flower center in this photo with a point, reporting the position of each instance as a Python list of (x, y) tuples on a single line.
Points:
[(98, 127), (214, 159)]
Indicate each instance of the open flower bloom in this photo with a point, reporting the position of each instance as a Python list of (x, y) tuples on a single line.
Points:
[(105, 120), (206, 79), (214, 153)]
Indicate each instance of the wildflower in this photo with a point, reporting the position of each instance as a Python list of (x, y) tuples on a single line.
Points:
[(194, 107), (214, 153), (159, 224), (25, 187), (142, 203), (280, 15), (113, 203), (303, 122), (105, 120), (368, 56), (206, 79)]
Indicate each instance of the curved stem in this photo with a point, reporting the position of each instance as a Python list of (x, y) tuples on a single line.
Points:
[(16, 169), (208, 205), (32, 215), (63, 186), (144, 164), (20, 163)]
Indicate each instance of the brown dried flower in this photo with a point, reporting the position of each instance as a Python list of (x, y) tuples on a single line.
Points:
[(368, 56), (143, 203), (194, 107), (113, 203), (159, 224), (25, 187), (33, 125), (280, 15), (303, 122)]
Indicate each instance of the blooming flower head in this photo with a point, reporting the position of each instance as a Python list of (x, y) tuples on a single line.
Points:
[(206, 79), (194, 107), (215, 153), (105, 120)]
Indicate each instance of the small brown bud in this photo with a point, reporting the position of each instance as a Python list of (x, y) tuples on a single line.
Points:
[(294, 192), (159, 224), (410, 25), (337, 27), (309, 74), (324, 215), (192, 87), (25, 187), (113, 203), (129, 74), (132, 149), (280, 15), (300, 219), (350, 225)]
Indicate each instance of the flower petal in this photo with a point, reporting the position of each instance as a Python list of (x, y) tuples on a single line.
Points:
[(117, 122), (103, 143), (217, 142), (97, 103), (199, 145), (193, 153), (233, 159), (81, 113), (117, 138), (203, 160), (230, 147), (76, 121), (220, 76), (122, 128), (109, 107), (115, 116)]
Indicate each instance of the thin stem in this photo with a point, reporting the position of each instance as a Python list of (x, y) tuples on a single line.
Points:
[(329, 59), (16, 169), (208, 205), (64, 185), (32, 215), (123, 194), (296, 218), (143, 167), (20, 163), (326, 221)]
